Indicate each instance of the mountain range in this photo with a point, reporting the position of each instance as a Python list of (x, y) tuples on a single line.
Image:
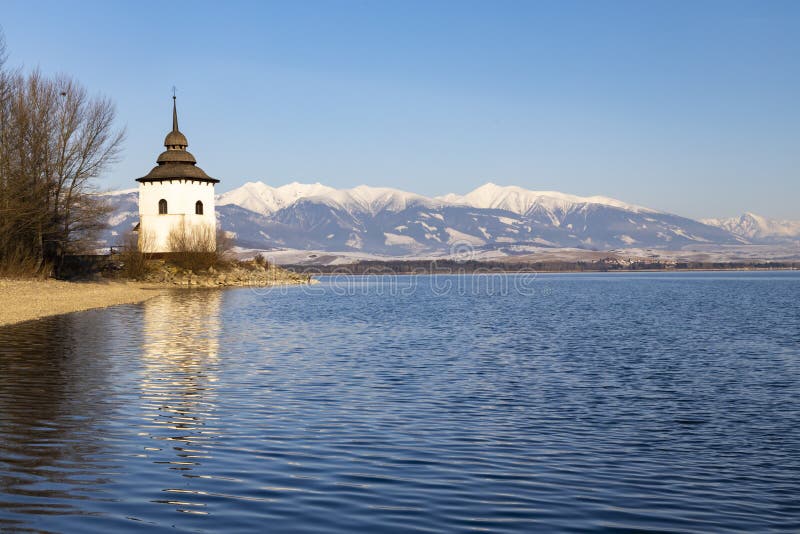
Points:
[(757, 228), (505, 219)]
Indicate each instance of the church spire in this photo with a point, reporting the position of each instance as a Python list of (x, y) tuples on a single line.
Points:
[(175, 139), (174, 112), (176, 163)]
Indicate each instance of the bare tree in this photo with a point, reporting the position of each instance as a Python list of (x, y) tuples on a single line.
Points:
[(55, 141)]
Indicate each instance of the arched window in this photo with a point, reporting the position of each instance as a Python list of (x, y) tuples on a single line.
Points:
[(198, 208), (162, 207)]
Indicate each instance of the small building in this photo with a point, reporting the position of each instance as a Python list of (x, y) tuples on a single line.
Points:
[(176, 200)]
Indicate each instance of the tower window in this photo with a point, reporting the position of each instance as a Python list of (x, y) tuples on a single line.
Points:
[(162, 207), (198, 208)]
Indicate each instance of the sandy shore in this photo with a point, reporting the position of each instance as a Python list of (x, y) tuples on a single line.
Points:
[(23, 300)]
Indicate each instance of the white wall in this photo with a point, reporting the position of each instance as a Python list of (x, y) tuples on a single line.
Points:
[(181, 196)]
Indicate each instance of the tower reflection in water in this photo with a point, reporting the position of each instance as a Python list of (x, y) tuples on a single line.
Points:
[(179, 374)]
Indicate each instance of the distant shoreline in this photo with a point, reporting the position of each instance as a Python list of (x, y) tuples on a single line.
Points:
[(449, 267), (663, 271)]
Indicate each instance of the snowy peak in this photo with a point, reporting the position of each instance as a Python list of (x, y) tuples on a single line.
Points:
[(120, 192), (523, 201), (263, 199), (372, 200), (752, 226)]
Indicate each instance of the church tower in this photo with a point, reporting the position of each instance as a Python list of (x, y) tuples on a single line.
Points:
[(176, 199)]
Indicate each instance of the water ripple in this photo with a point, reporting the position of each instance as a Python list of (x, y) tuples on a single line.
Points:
[(625, 402)]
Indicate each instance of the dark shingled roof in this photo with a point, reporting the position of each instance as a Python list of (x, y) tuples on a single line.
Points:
[(176, 171), (176, 156), (176, 139), (176, 163)]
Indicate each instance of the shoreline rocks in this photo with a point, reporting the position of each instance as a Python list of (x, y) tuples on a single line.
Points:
[(241, 274)]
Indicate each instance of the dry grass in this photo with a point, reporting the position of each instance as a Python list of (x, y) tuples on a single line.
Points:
[(22, 264), (197, 248), (135, 262)]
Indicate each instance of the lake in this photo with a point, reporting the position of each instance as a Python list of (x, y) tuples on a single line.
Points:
[(517, 403)]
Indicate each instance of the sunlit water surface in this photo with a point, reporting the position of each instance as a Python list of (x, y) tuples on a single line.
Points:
[(661, 402)]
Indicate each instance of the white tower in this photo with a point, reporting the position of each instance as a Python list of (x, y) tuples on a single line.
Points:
[(176, 199)]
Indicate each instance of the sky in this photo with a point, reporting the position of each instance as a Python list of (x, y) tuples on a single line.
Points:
[(691, 107)]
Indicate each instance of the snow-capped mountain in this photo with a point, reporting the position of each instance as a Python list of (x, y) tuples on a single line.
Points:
[(389, 221), (523, 201), (755, 227), (263, 199), (124, 217)]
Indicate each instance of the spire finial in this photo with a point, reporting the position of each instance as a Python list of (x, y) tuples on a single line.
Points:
[(174, 111)]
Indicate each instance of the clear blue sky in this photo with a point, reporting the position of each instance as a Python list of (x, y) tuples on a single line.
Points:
[(691, 107)]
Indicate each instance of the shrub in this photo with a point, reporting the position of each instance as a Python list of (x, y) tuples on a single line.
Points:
[(192, 247), (197, 248), (134, 261), (261, 260), (18, 262)]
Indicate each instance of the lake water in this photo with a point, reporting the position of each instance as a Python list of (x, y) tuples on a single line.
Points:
[(660, 402)]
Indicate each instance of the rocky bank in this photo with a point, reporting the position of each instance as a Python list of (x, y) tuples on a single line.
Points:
[(239, 274)]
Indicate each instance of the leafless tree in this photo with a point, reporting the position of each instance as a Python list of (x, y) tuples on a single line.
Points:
[(55, 140)]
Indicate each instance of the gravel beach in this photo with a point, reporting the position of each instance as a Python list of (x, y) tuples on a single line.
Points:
[(23, 300)]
